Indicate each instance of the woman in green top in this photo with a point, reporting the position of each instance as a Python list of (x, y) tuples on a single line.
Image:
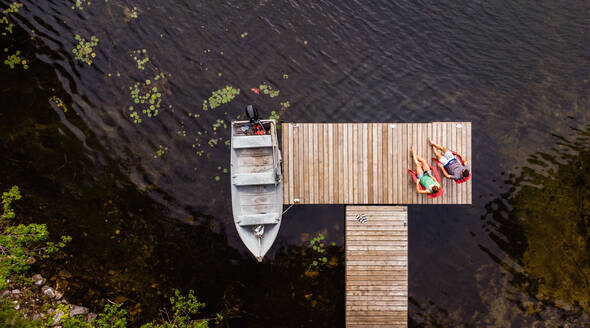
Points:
[(424, 175)]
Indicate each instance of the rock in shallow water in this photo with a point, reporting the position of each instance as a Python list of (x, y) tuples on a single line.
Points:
[(91, 317), (77, 310), (57, 317), (58, 295), (48, 291), (38, 279)]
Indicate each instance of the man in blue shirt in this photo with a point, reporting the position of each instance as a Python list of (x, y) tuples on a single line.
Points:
[(448, 163)]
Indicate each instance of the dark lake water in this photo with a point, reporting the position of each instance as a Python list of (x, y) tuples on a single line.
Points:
[(148, 204)]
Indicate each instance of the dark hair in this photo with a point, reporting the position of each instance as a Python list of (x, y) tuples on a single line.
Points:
[(434, 189), (465, 173)]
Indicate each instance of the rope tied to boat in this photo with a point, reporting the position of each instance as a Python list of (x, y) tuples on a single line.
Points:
[(288, 208)]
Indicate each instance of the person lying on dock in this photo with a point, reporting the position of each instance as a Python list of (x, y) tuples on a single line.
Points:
[(424, 176), (452, 168)]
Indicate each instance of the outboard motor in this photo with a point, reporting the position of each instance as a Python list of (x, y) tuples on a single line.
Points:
[(254, 117), (252, 114)]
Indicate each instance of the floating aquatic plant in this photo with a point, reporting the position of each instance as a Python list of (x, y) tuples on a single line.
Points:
[(274, 116), (84, 50), (181, 132), (285, 104), (213, 141), (159, 76), (218, 124), (221, 169), (15, 60), (317, 245), (146, 99), (285, 76), (130, 13), (135, 116), (8, 27), (160, 151), (243, 35), (59, 103), (267, 89), (12, 8), (79, 4), (221, 96), (141, 61)]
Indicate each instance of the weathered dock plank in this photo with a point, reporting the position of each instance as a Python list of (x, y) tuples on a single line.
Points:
[(366, 163), (377, 267)]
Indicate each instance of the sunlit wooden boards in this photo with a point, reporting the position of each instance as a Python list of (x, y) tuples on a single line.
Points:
[(377, 266), (366, 163)]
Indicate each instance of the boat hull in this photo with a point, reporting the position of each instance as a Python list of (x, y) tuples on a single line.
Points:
[(257, 187)]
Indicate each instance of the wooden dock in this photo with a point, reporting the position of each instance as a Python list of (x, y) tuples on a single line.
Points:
[(377, 266), (366, 163)]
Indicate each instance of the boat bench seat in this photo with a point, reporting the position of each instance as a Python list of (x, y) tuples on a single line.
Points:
[(250, 179), (256, 219), (251, 141)]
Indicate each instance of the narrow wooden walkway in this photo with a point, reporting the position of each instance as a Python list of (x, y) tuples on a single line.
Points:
[(377, 266), (366, 163)]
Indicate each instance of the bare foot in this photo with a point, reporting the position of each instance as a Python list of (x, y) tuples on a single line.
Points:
[(430, 140)]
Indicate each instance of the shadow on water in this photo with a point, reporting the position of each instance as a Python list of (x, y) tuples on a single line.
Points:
[(542, 225), (535, 242), (127, 248)]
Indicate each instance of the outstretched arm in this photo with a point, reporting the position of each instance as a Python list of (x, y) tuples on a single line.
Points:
[(462, 158), (418, 188), (442, 168)]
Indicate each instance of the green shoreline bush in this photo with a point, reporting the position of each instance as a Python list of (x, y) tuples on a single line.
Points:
[(19, 244)]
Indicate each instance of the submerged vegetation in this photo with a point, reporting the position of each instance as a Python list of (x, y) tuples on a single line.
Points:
[(544, 222)]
